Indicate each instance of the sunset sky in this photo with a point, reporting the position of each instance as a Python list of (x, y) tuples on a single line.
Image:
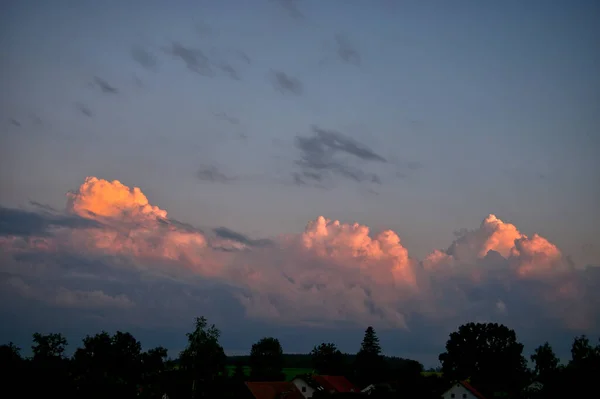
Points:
[(300, 169)]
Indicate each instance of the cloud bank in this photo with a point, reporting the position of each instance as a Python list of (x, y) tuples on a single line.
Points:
[(111, 244)]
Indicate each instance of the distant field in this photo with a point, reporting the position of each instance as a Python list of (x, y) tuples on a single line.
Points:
[(289, 372), (429, 373)]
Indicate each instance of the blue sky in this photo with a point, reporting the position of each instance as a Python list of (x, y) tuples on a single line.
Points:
[(420, 117)]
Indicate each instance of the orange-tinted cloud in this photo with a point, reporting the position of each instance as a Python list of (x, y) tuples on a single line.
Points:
[(383, 256), (331, 272), (99, 197)]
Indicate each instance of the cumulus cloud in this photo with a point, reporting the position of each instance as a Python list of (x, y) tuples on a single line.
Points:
[(111, 241)]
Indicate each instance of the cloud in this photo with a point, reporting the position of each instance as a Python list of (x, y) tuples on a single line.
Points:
[(209, 63), (204, 30), (104, 86), (90, 299), (346, 51), (228, 234), (211, 173), (144, 57), (285, 83), (23, 223), (229, 71), (113, 249), (66, 298), (102, 198), (228, 118), (84, 110), (290, 6), (328, 153), (194, 59)]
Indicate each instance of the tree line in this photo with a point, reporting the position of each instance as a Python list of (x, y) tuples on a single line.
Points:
[(487, 354)]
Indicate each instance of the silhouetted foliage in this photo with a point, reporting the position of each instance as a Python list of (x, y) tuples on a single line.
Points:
[(115, 366), (578, 377), (49, 366), (12, 365), (266, 360), (204, 358), (370, 366), (327, 359), (546, 363), (489, 355)]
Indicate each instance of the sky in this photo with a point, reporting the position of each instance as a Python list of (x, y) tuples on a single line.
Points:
[(300, 169)]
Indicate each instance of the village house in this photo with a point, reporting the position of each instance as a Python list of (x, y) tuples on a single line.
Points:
[(274, 390), (462, 390), (309, 384)]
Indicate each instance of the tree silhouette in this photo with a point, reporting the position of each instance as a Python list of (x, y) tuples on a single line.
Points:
[(546, 363), (327, 359), (49, 346), (482, 352), (370, 366), (49, 367), (109, 365), (203, 358), (370, 344), (266, 360), (12, 364)]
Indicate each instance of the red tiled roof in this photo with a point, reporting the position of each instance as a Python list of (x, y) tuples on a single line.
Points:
[(470, 388), (274, 390), (336, 383)]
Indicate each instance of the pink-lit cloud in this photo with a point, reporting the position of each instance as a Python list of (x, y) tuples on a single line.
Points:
[(331, 272)]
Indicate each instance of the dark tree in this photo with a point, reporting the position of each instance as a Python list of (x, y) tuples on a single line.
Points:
[(49, 366), (109, 366), (50, 346), (370, 344), (204, 358), (546, 363), (579, 377), (266, 360), (369, 365), (582, 351), (482, 352), (11, 364), (327, 359), (152, 368), (584, 367)]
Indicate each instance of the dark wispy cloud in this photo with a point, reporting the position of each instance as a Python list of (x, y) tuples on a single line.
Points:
[(406, 169), (229, 71), (285, 83), (209, 63), (14, 122), (23, 223), (290, 7), (84, 109), (243, 56), (228, 234), (329, 153), (144, 57), (228, 118), (213, 174), (104, 86), (346, 50), (194, 59), (204, 29)]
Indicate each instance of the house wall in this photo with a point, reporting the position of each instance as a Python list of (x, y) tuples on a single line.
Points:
[(459, 392), (307, 392)]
